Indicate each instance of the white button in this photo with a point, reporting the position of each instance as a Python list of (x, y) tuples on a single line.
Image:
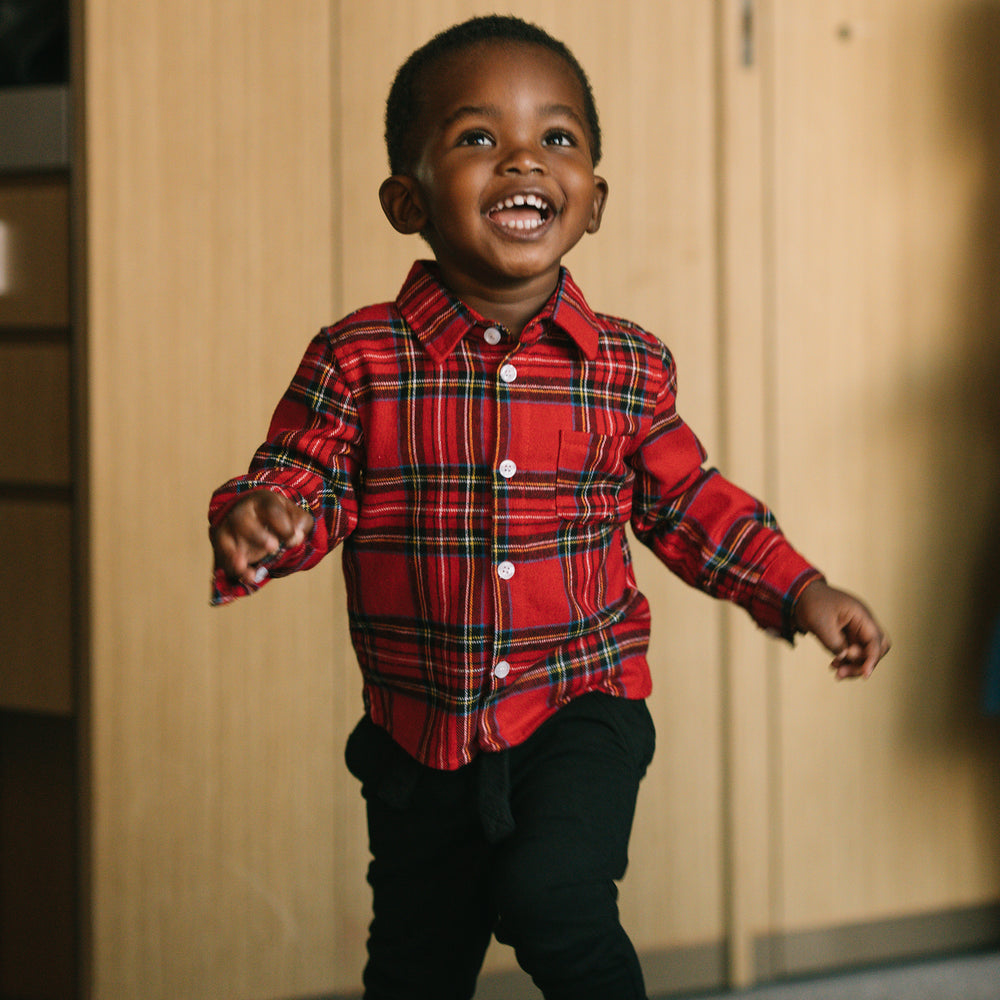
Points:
[(501, 670), (508, 373), (492, 335), (508, 468), (505, 570)]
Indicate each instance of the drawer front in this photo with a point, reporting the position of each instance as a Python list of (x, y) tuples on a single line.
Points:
[(34, 252), (35, 413), (36, 582)]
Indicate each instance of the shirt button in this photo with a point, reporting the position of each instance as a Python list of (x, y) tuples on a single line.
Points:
[(505, 570), (501, 670), (508, 468), (508, 373), (492, 335)]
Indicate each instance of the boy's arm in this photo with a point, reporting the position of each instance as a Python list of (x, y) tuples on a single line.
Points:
[(845, 626), (727, 543), (712, 534), (299, 498)]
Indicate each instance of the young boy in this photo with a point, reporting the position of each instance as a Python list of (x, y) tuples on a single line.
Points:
[(479, 446)]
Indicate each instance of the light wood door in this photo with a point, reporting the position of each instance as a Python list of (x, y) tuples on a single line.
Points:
[(882, 249), (212, 847)]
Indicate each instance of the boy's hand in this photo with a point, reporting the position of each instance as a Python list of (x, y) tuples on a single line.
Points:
[(845, 626), (256, 528)]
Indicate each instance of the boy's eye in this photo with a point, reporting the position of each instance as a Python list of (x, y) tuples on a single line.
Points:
[(477, 137), (560, 137)]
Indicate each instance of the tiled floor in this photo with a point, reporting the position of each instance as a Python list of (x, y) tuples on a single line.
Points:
[(963, 977), (970, 977)]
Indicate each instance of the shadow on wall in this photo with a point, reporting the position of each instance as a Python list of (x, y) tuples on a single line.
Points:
[(976, 94), (953, 412)]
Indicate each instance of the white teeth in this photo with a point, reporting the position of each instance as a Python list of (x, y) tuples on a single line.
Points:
[(522, 224), (520, 200)]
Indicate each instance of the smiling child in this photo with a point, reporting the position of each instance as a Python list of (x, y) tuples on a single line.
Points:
[(479, 446)]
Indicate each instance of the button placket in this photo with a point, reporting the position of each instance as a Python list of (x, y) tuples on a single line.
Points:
[(506, 468)]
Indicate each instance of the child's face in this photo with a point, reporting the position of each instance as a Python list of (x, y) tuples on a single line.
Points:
[(505, 183)]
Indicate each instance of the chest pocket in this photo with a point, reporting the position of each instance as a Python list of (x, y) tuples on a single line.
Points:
[(593, 483)]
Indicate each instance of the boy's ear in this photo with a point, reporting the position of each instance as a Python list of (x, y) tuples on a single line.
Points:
[(600, 200), (403, 204)]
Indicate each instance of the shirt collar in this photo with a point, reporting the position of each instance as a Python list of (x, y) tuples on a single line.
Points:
[(440, 320)]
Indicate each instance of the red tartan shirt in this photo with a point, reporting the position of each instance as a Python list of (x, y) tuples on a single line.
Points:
[(481, 486)]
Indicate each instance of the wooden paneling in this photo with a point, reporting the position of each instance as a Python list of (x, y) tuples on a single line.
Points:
[(35, 612), (747, 659), (35, 413), (213, 865), (38, 929), (34, 264), (887, 441)]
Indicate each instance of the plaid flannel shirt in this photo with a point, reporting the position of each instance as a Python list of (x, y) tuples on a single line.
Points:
[(481, 486)]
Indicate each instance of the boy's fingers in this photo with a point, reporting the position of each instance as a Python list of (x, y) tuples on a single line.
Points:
[(245, 537), (300, 524), (236, 554), (288, 523), (867, 644), (257, 530)]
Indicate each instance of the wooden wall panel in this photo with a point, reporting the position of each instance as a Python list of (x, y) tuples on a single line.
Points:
[(887, 441), (35, 404), (35, 612), (212, 863), (748, 656), (38, 931), (34, 236)]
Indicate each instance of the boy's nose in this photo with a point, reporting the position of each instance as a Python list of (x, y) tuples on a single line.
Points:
[(523, 160)]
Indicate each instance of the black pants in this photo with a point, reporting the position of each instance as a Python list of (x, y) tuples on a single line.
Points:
[(445, 876)]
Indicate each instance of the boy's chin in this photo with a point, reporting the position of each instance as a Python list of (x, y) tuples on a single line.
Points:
[(525, 262), (507, 264)]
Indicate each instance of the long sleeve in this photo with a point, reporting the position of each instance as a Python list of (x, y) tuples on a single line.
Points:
[(708, 531), (312, 456)]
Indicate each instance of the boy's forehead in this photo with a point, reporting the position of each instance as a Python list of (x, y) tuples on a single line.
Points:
[(450, 79)]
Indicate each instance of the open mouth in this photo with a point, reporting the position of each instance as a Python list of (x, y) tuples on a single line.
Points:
[(521, 212)]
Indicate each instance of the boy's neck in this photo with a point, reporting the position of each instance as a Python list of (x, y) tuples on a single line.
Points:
[(512, 305)]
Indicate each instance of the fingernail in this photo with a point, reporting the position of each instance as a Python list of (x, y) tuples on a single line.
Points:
[(260, 575)]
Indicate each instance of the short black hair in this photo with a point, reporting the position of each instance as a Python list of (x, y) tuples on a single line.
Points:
[(402, 110)]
